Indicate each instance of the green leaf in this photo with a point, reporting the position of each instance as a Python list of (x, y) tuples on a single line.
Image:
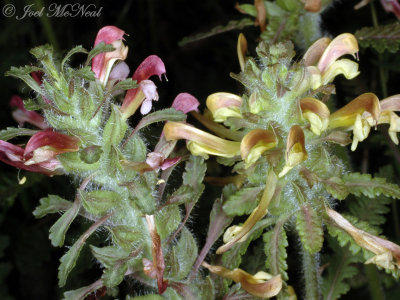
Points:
[(249, 9), (85, 73), (167, 220), (114, 276), (81, 293), (360, 184), (309, 227), (195, 169), (23, 73), (141, 194), (72, 162), (12, 132), (77, 49), (275, 249), (50, 205), (182, 195), (339, 271), (68, 260), (100, 48), (99, 202), (381, 38), (184, 254), (114, 129), (31, 104), (207, 288), (126, 237), (168, 114), (243, 201), (58, 230), (110, 255), (126, 84)]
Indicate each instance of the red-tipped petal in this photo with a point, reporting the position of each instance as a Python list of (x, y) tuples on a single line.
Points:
[(59, 142), (107, 35), (152, 65), (185, 103)]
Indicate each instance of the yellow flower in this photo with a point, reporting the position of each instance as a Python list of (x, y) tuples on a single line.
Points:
[(224, 105), (355, 115), (295, 149), (255, 143), (317, 113), (261, 284), (322, 63)]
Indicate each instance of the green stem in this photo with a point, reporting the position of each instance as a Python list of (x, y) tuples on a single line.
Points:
[(311, 275), (373, 282)]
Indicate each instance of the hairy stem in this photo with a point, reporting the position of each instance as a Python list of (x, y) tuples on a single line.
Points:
[(311, 275)]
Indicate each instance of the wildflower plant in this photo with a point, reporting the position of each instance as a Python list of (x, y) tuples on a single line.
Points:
[(282, 141), (282, 138)]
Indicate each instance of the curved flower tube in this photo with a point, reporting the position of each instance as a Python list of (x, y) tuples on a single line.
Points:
[(258, 213), (261, 284), (102, 63), (387, 254), (200, 142)]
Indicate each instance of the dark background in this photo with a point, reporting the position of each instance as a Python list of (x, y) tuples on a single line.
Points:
[(28, 267)]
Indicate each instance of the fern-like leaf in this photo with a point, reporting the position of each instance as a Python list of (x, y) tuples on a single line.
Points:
[(381, 38), (309, 227), (339, 270), (275, 249)]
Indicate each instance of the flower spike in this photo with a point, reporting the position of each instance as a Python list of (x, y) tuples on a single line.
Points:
[(200, 142), (102, 63), (261, 284), (295, 149), (224, 105)]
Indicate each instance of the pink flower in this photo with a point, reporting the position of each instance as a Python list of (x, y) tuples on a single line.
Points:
[(146, 92), (21, 115), (103, 62), (392, 6), (40, 152)]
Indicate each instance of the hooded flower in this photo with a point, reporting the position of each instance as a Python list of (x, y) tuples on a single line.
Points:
[(322, 63), (358, 115), (40, 152), (102, 63), (224, 105), (261, 284), (388, 107), (146, 92)]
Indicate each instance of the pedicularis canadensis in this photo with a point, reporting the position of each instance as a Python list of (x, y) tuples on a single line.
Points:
[(280, 137)]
